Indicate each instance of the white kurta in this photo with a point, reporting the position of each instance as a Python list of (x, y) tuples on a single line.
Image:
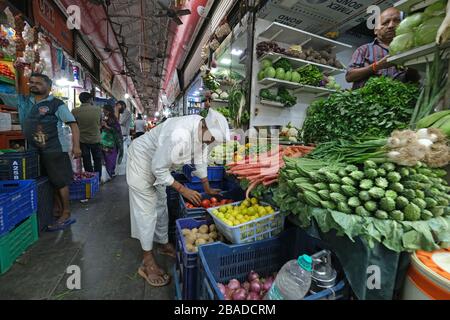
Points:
[(150, 159)]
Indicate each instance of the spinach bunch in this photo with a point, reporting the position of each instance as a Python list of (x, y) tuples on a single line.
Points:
[(377, 109)]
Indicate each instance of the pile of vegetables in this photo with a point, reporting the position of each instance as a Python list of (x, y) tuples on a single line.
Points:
[(209, 81), (419, 28), (330, 83), (209, 203), (377, 109), (268, 46), (198, 236), (255, 288), (310, 75), (219, 94), (405, 208), (283, 95), (439, 120), (265, 168), (226, 153), (83, 175)]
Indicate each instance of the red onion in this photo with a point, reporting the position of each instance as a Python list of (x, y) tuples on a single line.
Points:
[(252, 276), (253, 296), (239, 294), (268, 284), (255, 286), (246, 286), (221, 288), (234, 284), (228, 293)]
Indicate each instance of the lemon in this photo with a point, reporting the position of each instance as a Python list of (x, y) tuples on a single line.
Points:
[(215, 212), (261, 211), (239, 216), (223, 209), (220, 215), (254, 201), (246, 203)]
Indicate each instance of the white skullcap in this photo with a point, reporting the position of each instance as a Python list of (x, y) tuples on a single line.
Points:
[(218, 126)]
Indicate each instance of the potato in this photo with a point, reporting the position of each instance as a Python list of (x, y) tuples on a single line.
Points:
[(213, 235), (185, 232), (199, 242), (195, 230), (210, 240), (190, 247), (190, 238), (203, 229), (212, 228), (195, 250), (203, 236)]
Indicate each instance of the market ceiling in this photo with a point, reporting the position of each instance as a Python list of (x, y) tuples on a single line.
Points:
[(139, 31)]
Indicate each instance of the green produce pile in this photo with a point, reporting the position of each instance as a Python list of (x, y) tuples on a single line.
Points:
[(439, 120), (419, 29), (310, 75), (404, 208), (377, 109), (283, 96)]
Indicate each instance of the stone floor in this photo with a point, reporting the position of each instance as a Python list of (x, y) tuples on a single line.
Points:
[(100, 244)]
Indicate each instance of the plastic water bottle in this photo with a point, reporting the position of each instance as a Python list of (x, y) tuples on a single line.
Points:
[(293, 281)]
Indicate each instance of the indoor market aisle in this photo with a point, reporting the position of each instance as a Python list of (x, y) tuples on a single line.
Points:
[(99, 243)]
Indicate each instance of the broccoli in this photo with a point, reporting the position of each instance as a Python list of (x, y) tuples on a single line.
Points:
[(409, 194), (442, 202), (342, 173), (381, 183), (387, 204), (348, 181), (376, 193), (366, 184), (349, 190), (370, 206), (388, 166), (397, 215), (401, 202), (391, 194), (364, 196), (351, 168), (380, 214), (404, 172), (369, 164), (357, 175), (354, 202), (371, 173), (420, 194), (426, 215), (397, 187), (381, 172), (431, 203), (361, 211), (412, 212), (394, 177)]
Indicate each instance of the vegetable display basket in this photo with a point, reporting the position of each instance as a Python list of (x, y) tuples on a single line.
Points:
[(214, 173), (219, 262), (186, 266), (18, 201), (13, 244), (85, 188), (19, 165), (256, 230)]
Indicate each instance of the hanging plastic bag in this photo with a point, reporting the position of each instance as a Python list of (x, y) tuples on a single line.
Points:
[(408, 24), (105, 176)]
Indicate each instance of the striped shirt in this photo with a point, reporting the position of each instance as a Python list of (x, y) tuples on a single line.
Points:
[(369, 53)]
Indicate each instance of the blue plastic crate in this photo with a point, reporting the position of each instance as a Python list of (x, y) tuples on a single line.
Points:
[(219, 262), (85, 188), (19, 165), (187, 261), (18, 201), (176, 280), (198, 186), (214, 173)]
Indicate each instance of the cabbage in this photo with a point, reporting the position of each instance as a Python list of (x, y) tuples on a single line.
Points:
[(436, 9), (410, 23), (401, 43), (266, 63), (427, 31), (270, 72)]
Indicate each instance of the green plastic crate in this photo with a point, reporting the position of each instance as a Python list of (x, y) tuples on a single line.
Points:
[(16, 242)]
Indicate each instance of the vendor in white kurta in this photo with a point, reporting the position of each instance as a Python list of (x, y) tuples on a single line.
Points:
[(151, 157)]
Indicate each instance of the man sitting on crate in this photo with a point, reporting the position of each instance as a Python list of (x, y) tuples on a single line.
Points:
[(42, 117), (150, 159)]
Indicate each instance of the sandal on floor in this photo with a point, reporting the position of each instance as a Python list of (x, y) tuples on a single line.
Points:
[(153, 279), (61, 225), (166, 253)]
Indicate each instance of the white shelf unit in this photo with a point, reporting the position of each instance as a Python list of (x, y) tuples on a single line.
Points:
[(419, 55), (297, 88), (297, 63), (271, 103), (289, 35), (410, 6)]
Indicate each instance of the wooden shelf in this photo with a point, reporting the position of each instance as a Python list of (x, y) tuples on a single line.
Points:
[(296, 87), (286, 34), (297, 63), (410, 6), (418, 55)]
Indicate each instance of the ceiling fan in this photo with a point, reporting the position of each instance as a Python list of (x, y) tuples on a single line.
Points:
[(173, 14)]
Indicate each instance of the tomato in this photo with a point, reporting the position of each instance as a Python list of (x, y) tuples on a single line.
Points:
[(206, 204), (223, 202), (213, 200)]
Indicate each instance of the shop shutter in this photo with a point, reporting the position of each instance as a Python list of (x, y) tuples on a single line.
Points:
[(84, 53)]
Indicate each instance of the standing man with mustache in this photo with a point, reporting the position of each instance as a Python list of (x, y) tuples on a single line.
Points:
[(370, 60), (43, 118)]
